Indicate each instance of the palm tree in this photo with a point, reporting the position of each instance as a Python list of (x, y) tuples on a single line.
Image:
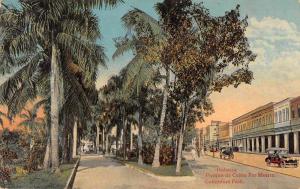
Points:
[(52, 32), (139, 74), (139, 21), (32, 122)]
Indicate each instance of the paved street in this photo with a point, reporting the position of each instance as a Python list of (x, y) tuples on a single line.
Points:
[(97, 172), (258, 160)]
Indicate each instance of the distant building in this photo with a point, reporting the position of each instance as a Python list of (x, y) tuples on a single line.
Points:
[(213, 133), (225, 134), (295, 123), (206, 136), (253, 131)]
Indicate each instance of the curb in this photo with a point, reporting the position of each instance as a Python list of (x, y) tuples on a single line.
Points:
[(161, 178), (71, 178), (234, 162)]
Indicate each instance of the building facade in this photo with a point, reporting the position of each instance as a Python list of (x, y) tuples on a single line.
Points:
[(295, 123), (225, 134), (282, 124), (253, 131), (206, 137), (213, 134), (271, 125)]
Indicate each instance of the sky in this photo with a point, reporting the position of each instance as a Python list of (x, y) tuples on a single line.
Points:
[(273, 33)]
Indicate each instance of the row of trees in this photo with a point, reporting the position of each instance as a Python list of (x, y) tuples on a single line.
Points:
[(179, 61), (49, 48)]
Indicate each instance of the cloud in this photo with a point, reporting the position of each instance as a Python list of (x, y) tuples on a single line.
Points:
[(273, 30), (276, 69)]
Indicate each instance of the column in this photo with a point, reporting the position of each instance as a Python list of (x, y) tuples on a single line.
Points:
[(296, 142), (245, 144), (252, 149), (248, 144), (269, 141), (277, 141), (263, 145), (286, 140), (257, 144)]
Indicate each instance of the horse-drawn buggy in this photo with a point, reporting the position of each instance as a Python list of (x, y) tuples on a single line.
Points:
[(226, 153)]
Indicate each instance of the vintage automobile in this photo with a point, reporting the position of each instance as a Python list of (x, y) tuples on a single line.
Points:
[(226, 152), (280, 157)]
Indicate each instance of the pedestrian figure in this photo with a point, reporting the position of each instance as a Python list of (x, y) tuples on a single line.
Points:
[(194, 154)]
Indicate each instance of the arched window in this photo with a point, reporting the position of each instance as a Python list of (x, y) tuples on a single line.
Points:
[(280, 117), (276, 120), (287, 114)]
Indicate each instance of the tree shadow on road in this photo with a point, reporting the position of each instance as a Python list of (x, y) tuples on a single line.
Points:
[(97, 163)]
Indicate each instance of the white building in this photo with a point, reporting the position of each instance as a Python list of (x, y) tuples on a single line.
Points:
[(282, 115), (213, 133), (282, 122)]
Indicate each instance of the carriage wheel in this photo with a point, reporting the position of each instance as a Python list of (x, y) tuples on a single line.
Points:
[(268, 162), (282, 164)]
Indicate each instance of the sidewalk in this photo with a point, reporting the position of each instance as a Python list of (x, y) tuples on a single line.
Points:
[(258, 160)]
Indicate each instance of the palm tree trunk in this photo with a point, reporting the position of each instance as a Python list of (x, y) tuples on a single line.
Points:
[(65, 146), (74, 152), (97, 139), (117, 140), (124, 139), (54, 85), (182, 129), (106, 144), (156, 162), (46, 163), (70, 146), (140, 137), (103, 140)]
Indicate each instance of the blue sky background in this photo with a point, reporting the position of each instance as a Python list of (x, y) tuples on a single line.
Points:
[(274, 35)]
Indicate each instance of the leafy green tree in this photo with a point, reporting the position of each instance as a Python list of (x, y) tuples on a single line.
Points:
[(214, 55)]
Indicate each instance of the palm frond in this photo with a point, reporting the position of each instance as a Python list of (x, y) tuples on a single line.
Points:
[(137, 19), (20, 87), (123, 45), (37, 105), (96, 3)]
